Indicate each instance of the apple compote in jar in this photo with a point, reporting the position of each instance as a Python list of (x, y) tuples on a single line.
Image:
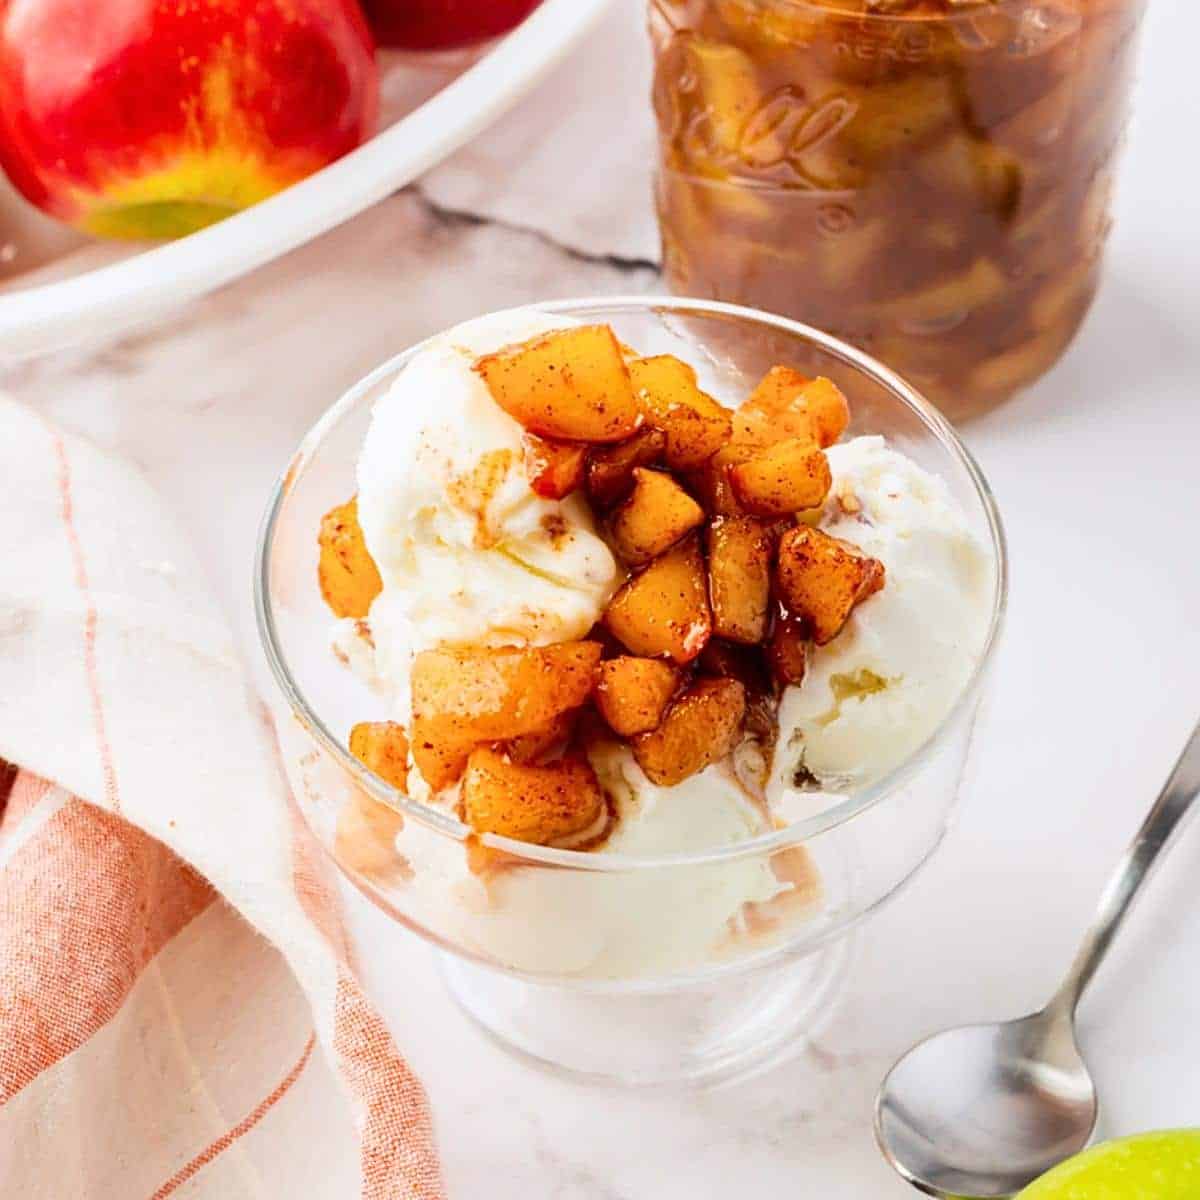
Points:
[(928, 179)]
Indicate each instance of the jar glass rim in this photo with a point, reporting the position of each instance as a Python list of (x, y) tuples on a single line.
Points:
[(799, 831), (828, 8)]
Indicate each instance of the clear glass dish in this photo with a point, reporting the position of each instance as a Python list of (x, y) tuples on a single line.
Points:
[(640, 970)]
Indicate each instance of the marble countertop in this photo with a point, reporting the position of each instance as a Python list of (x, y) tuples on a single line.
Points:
[(1097, 687)]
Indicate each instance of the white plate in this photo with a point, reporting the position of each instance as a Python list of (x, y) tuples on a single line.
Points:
[(105, 301)]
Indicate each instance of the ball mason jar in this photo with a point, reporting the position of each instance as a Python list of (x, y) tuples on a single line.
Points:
[(930, 180), (636, 970)]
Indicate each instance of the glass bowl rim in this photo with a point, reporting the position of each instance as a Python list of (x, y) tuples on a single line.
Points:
[(796, 832)]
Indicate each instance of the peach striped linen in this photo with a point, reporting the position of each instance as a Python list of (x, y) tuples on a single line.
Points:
[(179, 1015)]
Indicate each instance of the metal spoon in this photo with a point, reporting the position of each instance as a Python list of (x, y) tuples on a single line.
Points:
[(984, 1110)]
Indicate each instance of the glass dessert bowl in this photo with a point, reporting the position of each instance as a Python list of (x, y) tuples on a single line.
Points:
[(669, 896)]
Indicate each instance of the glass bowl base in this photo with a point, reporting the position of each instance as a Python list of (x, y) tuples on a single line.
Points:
[(696, 1034)]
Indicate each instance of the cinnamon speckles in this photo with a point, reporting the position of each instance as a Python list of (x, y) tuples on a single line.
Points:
[(474, 490)]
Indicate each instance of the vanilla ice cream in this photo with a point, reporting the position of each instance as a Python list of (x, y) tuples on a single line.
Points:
[(466, 551), (468, 554), (612, 924), (875, 693)]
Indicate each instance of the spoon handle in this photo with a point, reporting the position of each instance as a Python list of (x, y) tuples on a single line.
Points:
[(1176, 799)]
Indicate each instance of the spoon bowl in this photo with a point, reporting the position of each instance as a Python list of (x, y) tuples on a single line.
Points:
[(982, 1110)]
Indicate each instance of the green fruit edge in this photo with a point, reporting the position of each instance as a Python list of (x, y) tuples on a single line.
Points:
[(1148, 1166)]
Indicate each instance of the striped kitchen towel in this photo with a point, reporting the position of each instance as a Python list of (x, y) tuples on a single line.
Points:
[(179, 1013)]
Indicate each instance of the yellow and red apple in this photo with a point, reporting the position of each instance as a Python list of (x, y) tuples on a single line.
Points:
[(441, 24), (154, 118)]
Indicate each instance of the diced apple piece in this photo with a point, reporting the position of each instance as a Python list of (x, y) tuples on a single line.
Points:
[(529, 803), (572, 385), (696, 426), (633, 693), (700, 728), (822, 578), (732, 660), (787, 404), (530, 747), (1014, 368), (554, 469), (712, 484), (982, 284), (440, 762), (828, 410), (382, 747), (892, 119), (783, 478), (364, 839), (739, 578), (1031, 128), (346, 571), (787, 651), (983, 174), (462, 698), (845, 262), (1064, 295), (772, 411), (610, 470), (728, 92), (657, 513), (663, 611)]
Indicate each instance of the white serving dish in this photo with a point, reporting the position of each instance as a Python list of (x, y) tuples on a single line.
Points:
[(102, 290)]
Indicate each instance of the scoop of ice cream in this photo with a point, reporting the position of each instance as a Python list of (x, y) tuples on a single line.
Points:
[(466, 551), (875, 693), (611, 924)]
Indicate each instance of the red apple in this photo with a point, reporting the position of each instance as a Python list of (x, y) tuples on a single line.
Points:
[(442, 24), (154, 118)]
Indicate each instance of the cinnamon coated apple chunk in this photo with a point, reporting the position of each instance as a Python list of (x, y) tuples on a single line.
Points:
[(554, 469), (787, 651), (739, 577), (632, 694), (784, 478), (663, 611), (822, 578), (542, 743), (695, 425), (571, 385), (712, 483), (346, 572), (539, 804), (701, 728), (787, 404), (655, 515), (462, 699), (382, 747), (610, 468), (365, 836)]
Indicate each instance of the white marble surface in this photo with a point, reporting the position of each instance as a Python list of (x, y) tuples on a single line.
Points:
[(1098, 682)]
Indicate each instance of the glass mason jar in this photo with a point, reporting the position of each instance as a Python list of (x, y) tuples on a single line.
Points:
[(930, 180), (632, 969)]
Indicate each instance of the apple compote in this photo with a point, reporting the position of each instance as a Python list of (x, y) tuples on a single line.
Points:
[(929, 179)]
